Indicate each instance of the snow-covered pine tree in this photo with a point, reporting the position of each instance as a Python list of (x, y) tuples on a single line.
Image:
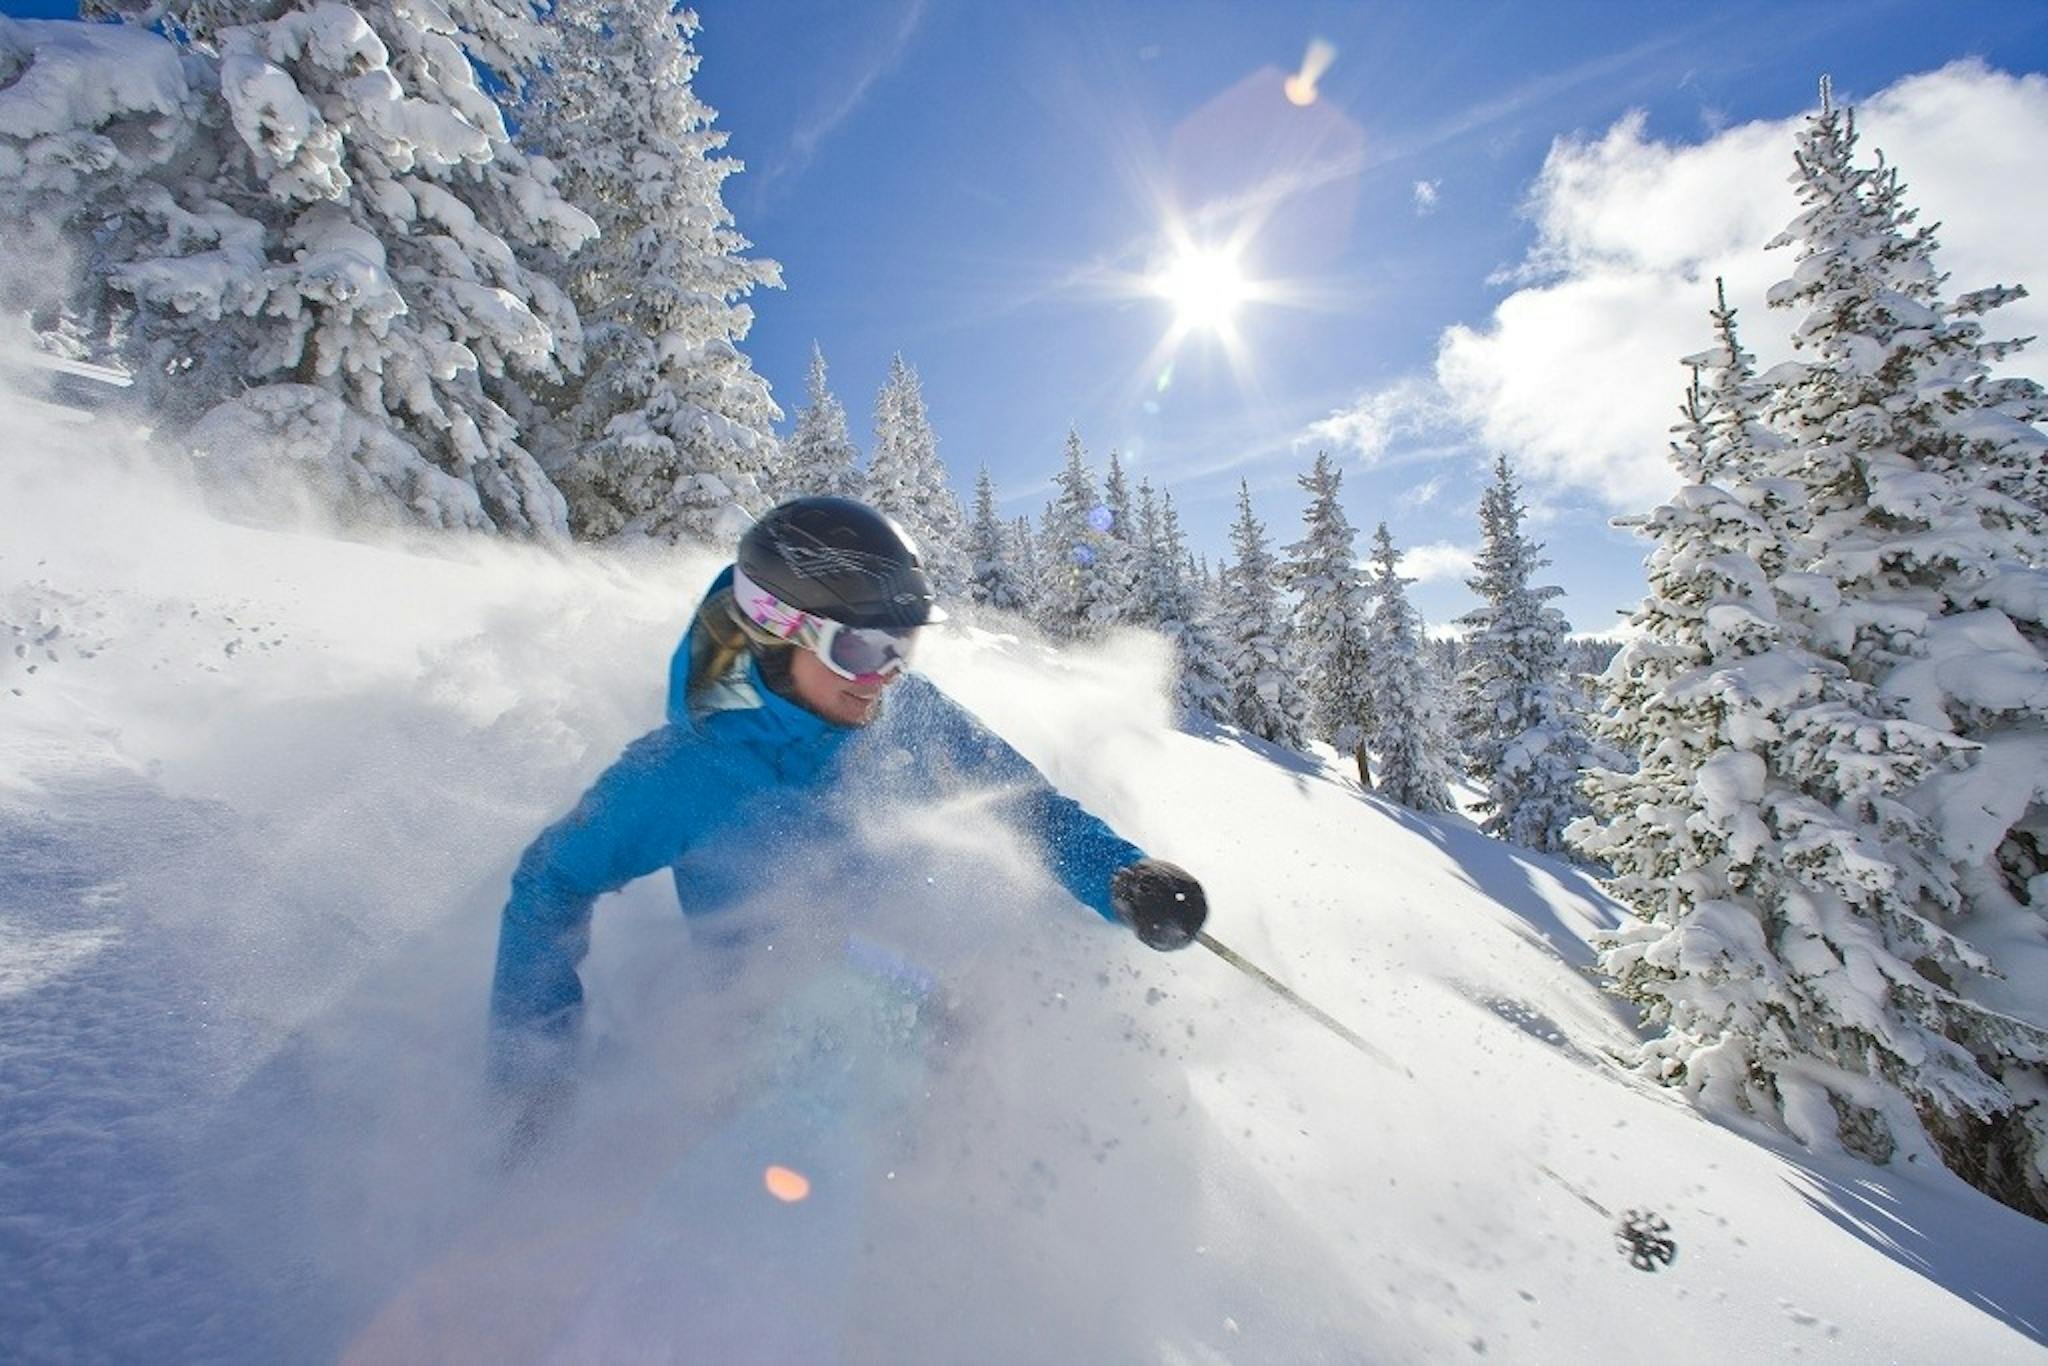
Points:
[(110, 141), (1919, 494), (1266, 699), (363, 307), (1120, 547), (1116, 496), (1330, 618), (1516, 716), (1202, 687), (1168, 600), (907, 481), (995, 582), (1077, 596), (1763, 837), (668, 433), (1406, 718), (398, 210), (820, 457), (1149, 564), (1149, 554), (1023, 548)]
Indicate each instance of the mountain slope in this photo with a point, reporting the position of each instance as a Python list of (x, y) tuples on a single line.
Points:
[(260, 791)]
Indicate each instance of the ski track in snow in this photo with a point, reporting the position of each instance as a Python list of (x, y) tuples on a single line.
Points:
[(259, 798)]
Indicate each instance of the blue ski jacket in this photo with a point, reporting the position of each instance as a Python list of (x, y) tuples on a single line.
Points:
[(714, 792)]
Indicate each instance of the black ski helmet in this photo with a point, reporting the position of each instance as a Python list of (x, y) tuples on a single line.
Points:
[(841, 560)]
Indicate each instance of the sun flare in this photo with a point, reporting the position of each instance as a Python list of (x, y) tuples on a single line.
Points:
[(1205, 287)]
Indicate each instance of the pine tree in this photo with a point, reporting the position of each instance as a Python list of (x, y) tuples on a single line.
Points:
[(1837, 700), (1023, 549), (1170, 601), (1077, 595), (1118, 548), (1407, 721), (1918, 483), (995, 581), (1265, 692), (907, 481), (820, 457), (1516, 718), (363, 310), (1116, 496), (107, 197), (669, 432), (1330, 618), (400, 211)]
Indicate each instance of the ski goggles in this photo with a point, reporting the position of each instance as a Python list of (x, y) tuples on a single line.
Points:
[(857, 653)]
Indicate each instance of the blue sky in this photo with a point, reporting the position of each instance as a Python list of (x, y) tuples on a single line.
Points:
[(986, 188), (957, 181)]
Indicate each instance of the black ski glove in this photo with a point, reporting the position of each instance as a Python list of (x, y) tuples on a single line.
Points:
[(1161, 901)]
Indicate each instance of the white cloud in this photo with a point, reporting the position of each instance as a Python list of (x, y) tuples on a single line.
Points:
[(1435, 561), (1426, 193), (1409, 409), (1576, 375), (1425, 493)]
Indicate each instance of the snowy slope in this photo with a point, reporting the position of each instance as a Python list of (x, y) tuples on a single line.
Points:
[(260, 791)]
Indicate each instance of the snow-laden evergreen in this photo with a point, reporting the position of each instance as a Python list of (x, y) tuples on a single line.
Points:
[(1839, 701), (1170, 600), (314, 205), (1266, 697), (1738, 869), (668, 433), (1330, 618), (1405, 713), (1919, 484), (110, 139), (819, 457), (1022, 544), (1121, 548), (995, 581), (1516, 717), (397, 210), (907, 481), (1077, 596)]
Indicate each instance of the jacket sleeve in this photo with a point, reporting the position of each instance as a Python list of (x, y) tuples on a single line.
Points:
[(633, 821), (1078, 846)]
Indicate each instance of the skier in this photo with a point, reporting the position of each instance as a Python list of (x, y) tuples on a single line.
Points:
[(791, 686)]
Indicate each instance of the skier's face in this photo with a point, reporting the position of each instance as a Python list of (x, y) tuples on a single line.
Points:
[(842, 701)]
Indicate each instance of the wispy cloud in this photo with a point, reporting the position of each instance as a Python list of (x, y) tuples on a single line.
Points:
[(820, 123), (1411, 413), (1427, 193), (1425, 493)]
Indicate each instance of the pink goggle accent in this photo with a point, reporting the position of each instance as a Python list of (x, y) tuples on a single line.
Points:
[(856, 653)]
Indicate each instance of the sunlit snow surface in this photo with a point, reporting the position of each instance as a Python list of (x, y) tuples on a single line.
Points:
[(260, 793)]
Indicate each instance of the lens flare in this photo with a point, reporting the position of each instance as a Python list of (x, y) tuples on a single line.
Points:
[(786, 1185), (1301, 86)]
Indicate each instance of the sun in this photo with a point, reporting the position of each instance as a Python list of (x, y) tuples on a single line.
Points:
[(1205, 287)]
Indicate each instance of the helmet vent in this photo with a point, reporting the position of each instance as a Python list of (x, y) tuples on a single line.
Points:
[(816, 561)]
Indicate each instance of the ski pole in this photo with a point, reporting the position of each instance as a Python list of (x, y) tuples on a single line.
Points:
[(1281, 989)]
